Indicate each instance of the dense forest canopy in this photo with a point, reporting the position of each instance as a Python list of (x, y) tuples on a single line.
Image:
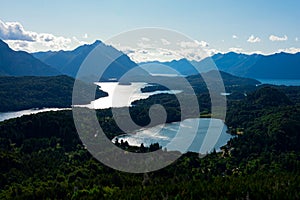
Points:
[(20, 93), (42, 157)]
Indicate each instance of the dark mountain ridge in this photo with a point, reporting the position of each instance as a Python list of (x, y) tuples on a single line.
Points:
[(69, 62), (21, 63), (276, 66)]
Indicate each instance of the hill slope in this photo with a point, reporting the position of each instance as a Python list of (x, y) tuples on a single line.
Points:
[(19, 93), (20, 63)]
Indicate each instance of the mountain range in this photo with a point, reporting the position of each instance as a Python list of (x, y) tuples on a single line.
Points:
[(50, 63), (21, 63), (275, 66), (69, 62)]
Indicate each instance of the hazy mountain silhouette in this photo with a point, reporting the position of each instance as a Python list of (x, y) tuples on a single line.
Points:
[(276, 66), (21, 63), (182, 67), (68, 62)]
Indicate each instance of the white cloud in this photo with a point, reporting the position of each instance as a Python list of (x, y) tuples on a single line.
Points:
[(292, 50), (235, 37), (188, 44), (165, 50), (211, 51), (277, 38), (77, 41), (85, 36), (125, 50), (18, 38), (15, 31), (193, 44), (202, 43), (296, 39), (236, 49), (256, 52), (253, 39)]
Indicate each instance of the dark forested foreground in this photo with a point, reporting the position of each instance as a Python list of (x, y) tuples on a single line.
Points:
[(41, 156), (20, 93)]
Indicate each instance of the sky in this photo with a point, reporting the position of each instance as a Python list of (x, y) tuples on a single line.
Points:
[(252, 26)]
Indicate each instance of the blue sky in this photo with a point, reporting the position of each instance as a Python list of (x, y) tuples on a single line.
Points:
[(244, 26)]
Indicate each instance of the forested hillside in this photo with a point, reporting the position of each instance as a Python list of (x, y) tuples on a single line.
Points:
[(20, 93), (42, 157)]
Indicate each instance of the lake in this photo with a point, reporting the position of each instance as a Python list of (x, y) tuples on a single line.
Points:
[(287, 82), (118, 96), (15, 114), (122, 95), (216, 135)]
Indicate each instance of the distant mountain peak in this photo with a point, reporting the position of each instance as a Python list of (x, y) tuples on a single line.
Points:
[(94, 44), (21, 63), (97, 42), (181, 60), (69, 62), (276, 66)]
